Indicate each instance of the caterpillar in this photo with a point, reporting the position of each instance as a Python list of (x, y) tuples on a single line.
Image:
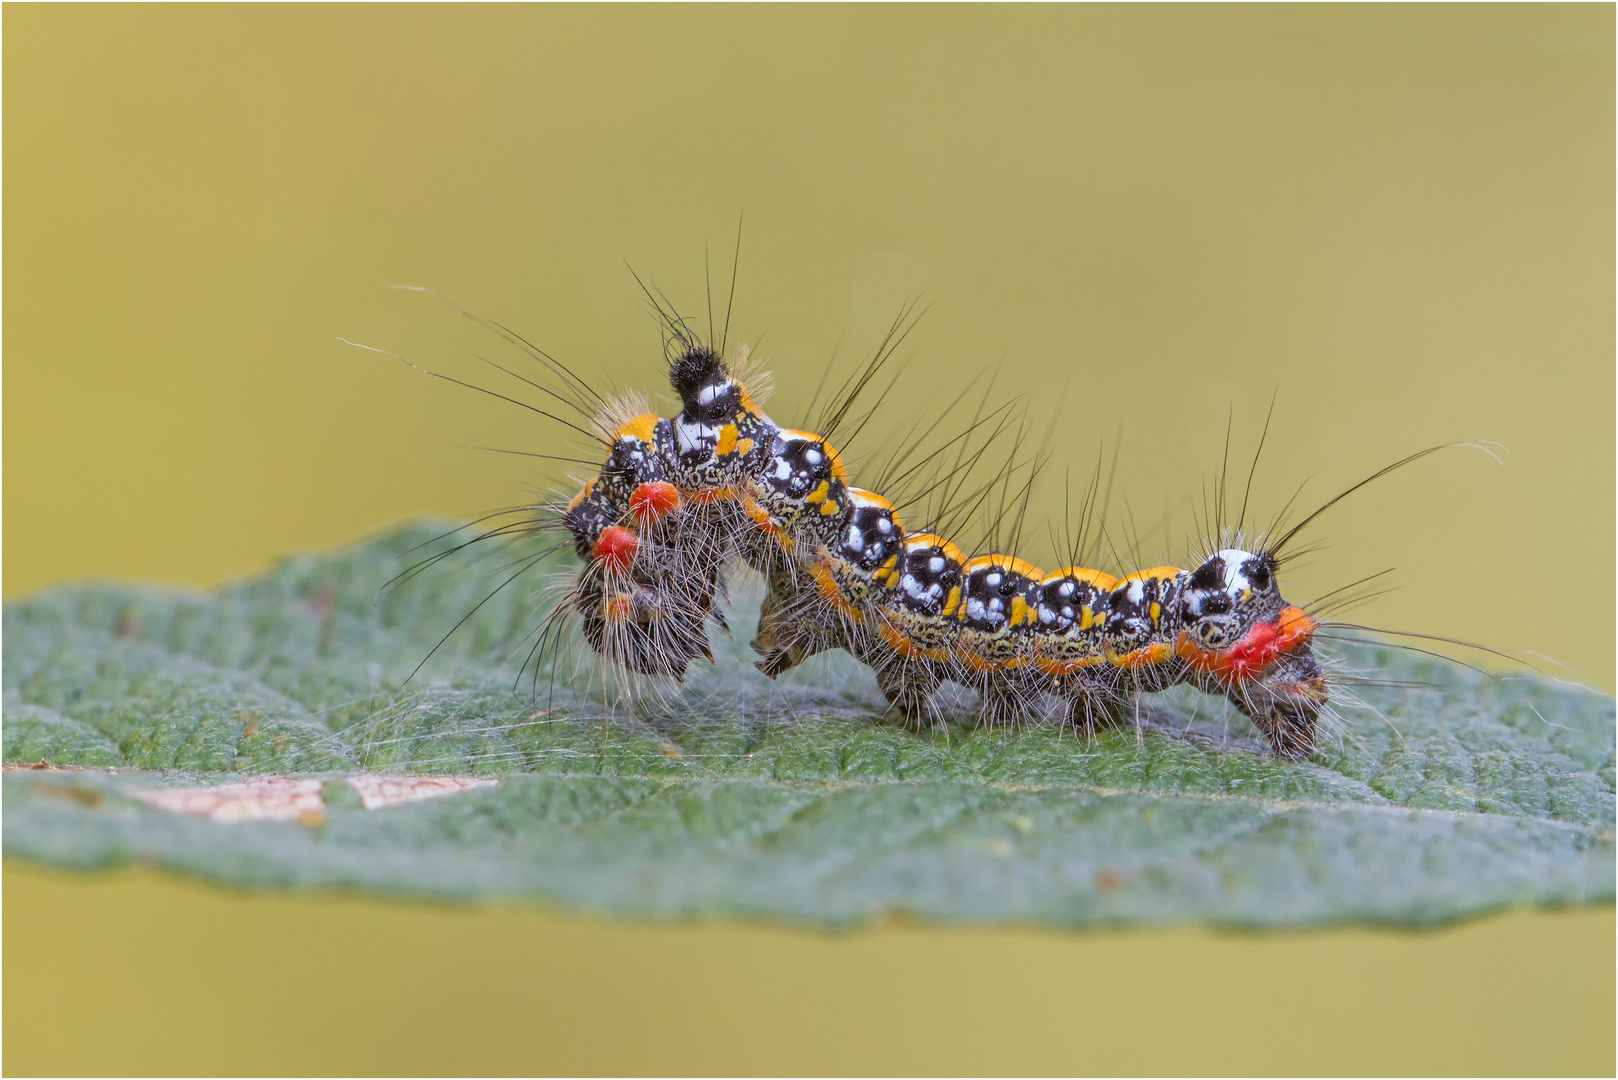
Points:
[(680, 501), (843, 571)]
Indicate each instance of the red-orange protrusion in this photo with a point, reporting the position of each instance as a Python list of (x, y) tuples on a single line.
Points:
[(1258, 648), (649, 502), (615, 549)]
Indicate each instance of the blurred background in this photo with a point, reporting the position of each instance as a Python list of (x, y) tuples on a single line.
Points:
[(1397, 221)]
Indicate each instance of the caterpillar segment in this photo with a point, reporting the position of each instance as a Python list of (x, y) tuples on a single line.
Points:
[(828, 599), (996, 636), (916, 623), (721, 435), (1072, 653), (1142, 626), (797, 498)]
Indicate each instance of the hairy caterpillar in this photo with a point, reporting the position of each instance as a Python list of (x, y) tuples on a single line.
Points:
[(844, 572), (680, 500)]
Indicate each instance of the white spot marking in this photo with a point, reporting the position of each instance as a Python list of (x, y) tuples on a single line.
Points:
[(711, 394), (694, 436)]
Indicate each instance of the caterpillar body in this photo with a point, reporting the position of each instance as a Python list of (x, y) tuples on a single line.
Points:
[(680, 501), (680, 497)]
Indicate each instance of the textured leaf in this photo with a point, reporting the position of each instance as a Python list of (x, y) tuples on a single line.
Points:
[(738, 796)]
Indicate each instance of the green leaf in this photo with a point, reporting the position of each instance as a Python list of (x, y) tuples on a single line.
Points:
[(1449, 794)]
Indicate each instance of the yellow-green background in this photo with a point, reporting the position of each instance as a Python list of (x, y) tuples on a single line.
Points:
[(1399, 218)]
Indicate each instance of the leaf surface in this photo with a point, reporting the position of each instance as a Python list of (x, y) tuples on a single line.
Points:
[(1448, 795)]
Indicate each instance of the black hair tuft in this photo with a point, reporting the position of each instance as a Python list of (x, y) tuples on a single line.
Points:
[(693, 369)]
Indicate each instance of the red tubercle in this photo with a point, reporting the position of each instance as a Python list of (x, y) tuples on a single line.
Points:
[(615, 548), (651, 501), (1260, 647)]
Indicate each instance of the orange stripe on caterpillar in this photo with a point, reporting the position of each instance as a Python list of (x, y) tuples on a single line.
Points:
[(1156, 653), (705, 496), (642, 427), (589, 487)]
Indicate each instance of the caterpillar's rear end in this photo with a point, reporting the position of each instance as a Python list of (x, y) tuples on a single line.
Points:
[(1239, 638)]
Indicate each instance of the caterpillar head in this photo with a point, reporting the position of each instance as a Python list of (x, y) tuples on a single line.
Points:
[(640, 610), (634, 626)]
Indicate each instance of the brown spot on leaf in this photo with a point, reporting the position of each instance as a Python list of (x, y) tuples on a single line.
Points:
[(378, 791), (265, 798), (72, 793), (283, 798), (1109, 881)]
